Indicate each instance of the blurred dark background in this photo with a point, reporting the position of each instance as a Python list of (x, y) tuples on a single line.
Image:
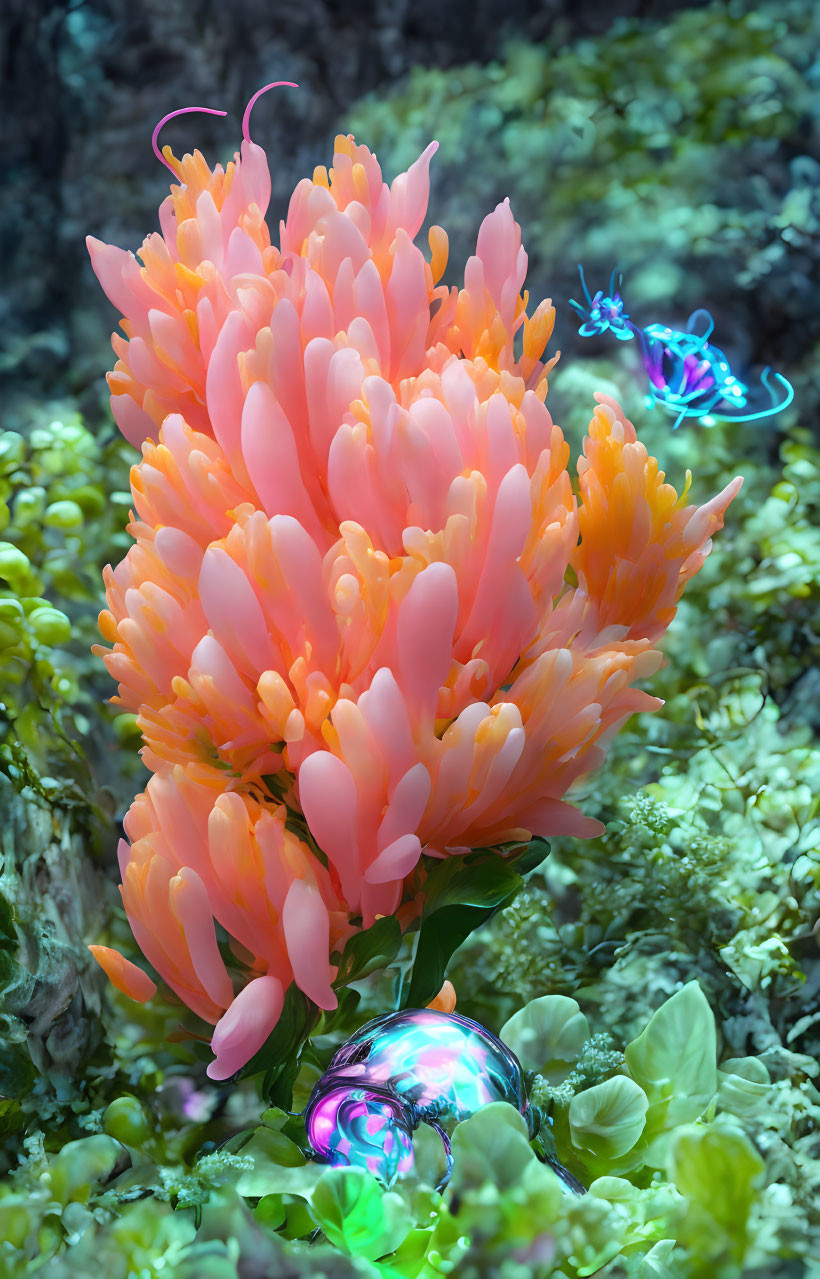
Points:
[(677, 141)]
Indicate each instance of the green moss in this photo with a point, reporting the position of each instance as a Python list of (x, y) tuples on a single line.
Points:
[(64, 519), (60, 526)]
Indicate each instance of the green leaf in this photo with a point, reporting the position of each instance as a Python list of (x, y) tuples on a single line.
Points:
[(269, 1178), (744, 1085), (367, 951), (409, 1258), (491, 1146), (526, 857), (81, 1164), (547, 1035), (660, 1262), (17, 1221), (357, 1214), (341, 1017), (720, 1173), (12, 1118), (429, 1159), (609, 1118), (675, 1059), (461, 894), (7, 930), (272, 1144), (277, 1164)]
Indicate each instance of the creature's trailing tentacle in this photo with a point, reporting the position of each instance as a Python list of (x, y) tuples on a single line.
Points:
[(775, 407)]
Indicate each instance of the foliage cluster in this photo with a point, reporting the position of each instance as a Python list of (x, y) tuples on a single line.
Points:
[(62, 516), (668, 1143), (61, 520)]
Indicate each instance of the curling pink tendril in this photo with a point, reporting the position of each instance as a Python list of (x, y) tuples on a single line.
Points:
[(170, 116), (246, 119)]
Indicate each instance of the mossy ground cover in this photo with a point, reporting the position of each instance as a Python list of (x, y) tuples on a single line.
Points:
[(661, 984)]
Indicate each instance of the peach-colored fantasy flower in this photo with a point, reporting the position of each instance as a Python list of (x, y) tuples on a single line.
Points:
[(347, 603)]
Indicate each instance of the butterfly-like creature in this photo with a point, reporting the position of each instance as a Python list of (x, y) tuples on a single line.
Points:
[(688, 375)]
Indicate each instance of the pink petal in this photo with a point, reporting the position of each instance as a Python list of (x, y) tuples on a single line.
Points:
[(306, 926), (223, 388), (233, 611), (190, 905), (327, 793), (426, 624), (410, 192), (397, 860), (554, 817), (243, 1029), (272, 458), (135, 424), (181, 555), (407, 804)]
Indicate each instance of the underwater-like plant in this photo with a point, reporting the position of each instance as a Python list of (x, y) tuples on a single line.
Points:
[(365, 624)]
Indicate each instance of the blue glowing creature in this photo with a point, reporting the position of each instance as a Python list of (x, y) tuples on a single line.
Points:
[(688, 375), (407, 1068)]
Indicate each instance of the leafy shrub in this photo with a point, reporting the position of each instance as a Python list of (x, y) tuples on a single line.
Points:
[(668, 1143)]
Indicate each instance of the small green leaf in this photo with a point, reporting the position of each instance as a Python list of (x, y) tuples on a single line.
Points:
[(125, 1120), (751, 1069), (267, 1176), (660, 1262), (12, 1117), (547, 1035), (17, 1220), (720, 1173), (609, 1118), (744, 1085), (65, 514), (675, 1059), (275, 1146), (357, 1214), (367, 951), (80, 1165), (462, 893), (491, 1146), (526, 857)]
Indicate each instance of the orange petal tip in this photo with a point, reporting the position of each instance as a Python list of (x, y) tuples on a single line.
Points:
[(127, 977)]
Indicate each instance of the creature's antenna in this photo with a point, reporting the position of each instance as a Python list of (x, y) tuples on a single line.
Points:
[(616, 276), (164, 121), (584, 284), (246, 119)]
